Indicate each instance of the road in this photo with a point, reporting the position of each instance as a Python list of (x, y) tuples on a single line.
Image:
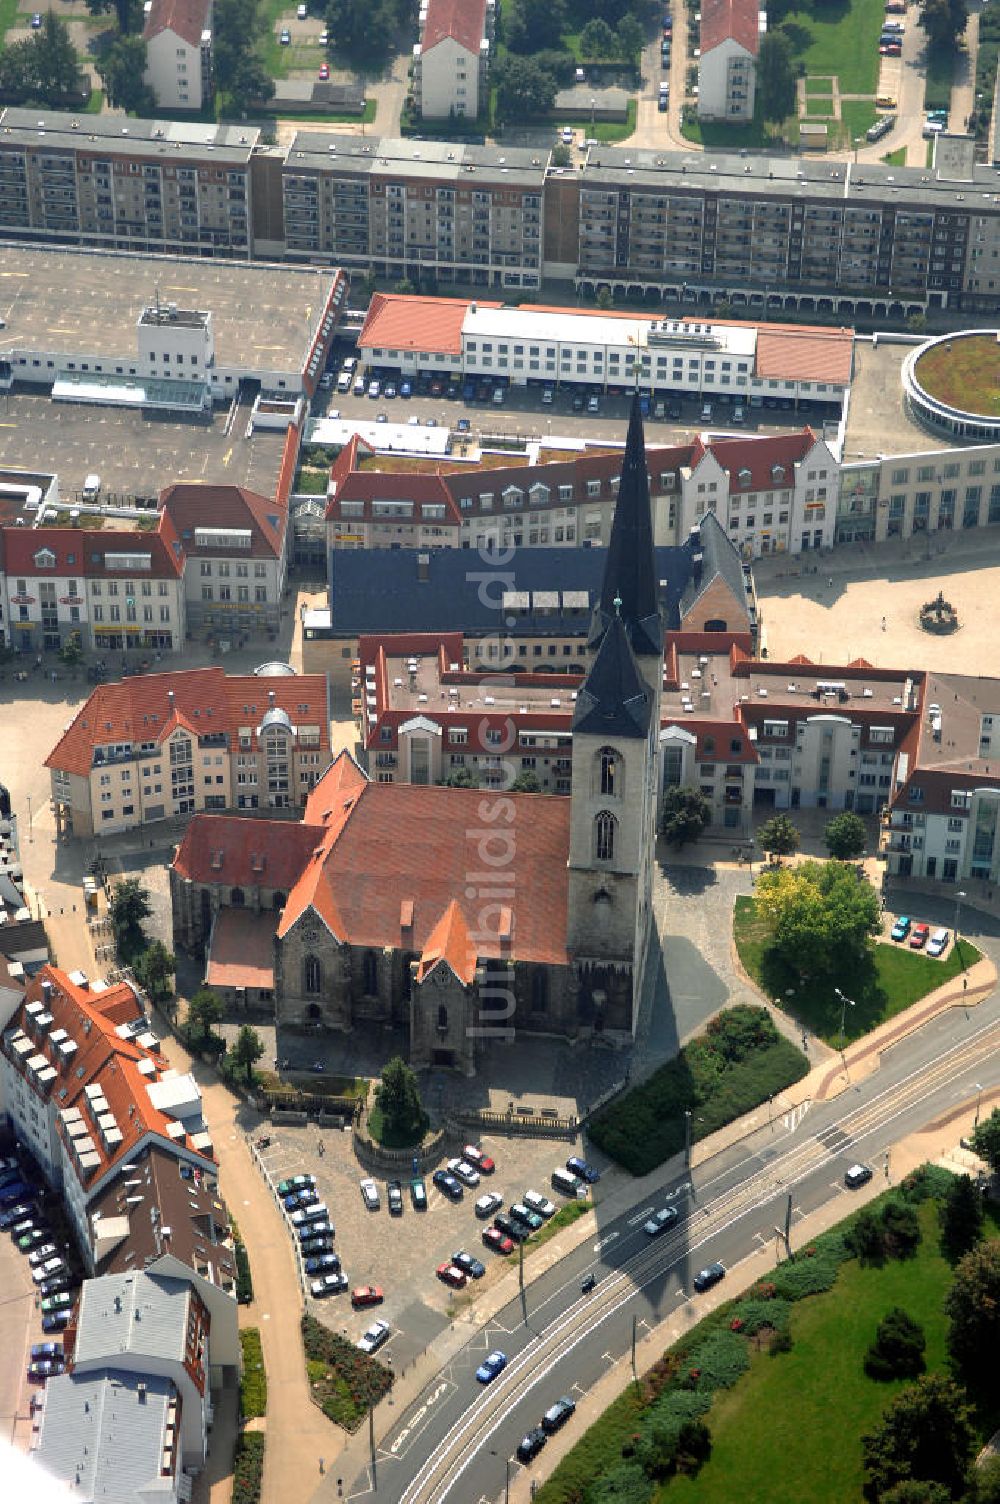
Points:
[(563, 1342)]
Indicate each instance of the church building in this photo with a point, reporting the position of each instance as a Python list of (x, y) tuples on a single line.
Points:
[(463, 915)]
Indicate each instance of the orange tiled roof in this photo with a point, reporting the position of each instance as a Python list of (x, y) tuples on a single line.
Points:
[(759, 455), (724, 19), (449, 941), (401, 322), (463, 20), (194, 504), (186, 18), (805, 354)]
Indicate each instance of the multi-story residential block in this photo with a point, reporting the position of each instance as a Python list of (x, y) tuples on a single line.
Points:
[(405, 208), (178, 37), (773, 494), (451, 59), (162, 745), (236, 556), (727, 69), (928, 491)]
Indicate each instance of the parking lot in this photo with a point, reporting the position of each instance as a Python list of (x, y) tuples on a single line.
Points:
[(400, 1254)]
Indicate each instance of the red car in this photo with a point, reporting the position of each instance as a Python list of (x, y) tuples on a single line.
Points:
[(324, 70), (451, 1275), (918, 936), (366, 1295), (479, 1161), (497, 1240)]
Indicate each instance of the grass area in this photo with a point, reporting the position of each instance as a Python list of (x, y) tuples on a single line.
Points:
[(939, 74), (737, 1063), (317, 1085), (800, 1416), (713, 133), (846, 44), (857, 115), (896, 158), (821, 106), (564, 1217), (345, 1383), (819, 86), (965, 372), (399, 1135), (894, 979), (253, 1384)]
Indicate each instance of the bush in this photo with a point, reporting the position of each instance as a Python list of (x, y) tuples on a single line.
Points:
[(248, 1467), (719, 1361), (253, 1384), (244, 1282), (810, 1274), (755, 1314), (898, 1349), (926, 1183), (624, 1483)]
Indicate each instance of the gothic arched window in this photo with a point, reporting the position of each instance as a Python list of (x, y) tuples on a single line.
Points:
[(605, 826), (610, 773), (370, 973), (312, 975)]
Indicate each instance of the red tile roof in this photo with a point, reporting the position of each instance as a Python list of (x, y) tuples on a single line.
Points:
[(186, 18), (242, 953), (724, 19), (82, 551), (192, 504), (464, 20), (231, 849), (805, 354), (205, 701), (760, 456), (449, 941), (398, 322)]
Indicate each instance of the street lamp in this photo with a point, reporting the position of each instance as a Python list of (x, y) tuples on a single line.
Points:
[(506, 1492), (979, 1098), (844, 1000), (958, 914), (30, 836), (858, 141)]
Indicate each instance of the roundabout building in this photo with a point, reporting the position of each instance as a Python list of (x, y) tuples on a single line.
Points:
[(952, 384)]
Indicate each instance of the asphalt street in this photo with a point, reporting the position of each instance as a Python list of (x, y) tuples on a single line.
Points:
[(456, 1439)]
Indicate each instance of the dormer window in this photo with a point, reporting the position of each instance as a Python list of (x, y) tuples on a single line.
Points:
[(744, 477), (777, 473), (45, 559)]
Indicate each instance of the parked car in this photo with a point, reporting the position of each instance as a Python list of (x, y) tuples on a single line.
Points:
[(418, 1194), (389, 391), (324, 71), (369, 1194), (36, 20), (450, 1274), (405, 389), (323, 1263), (40, 1255), (32, 1238), (309, 1230), (857, 1175), (57, 1284), (60, 1302), (313, 1245), (45, 1368), (919, 936), (900, 929), (938, 943), (593, 404), (558, 1414), (374, 388), (497, 1241), (394, 1196), (488, 1204), (16, 1190), (706, 412), (46, 1350), (578, 402), (475, 1157), (539, 1204), (318, 1212), (709, 1276), (448, 1184), (468, 1265), (55, 1321), (366, 1295), (660, 1221), (374, 1337), (547, 396), (490, 1367), (518, 1231), (663, 104), (529, 1446), (463, 1172), (14, 1214), (52, 1266), (299, 1199), (530, 1219), (328, 1284), (296, 1183), (286, 37)]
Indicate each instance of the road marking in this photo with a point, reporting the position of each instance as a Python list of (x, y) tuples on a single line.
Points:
[(641, 1216), (792, 1119), (420, 1415), (603, 1242)]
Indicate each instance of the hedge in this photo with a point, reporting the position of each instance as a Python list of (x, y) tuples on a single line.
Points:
[(248, 1467), (253, 1385), (244, 1282), (738, 1062)]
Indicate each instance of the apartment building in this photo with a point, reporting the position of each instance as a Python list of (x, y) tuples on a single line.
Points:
[(235, 547), (451, 58), (163, 186), (178, 37), (729, 40), (774, 494), (162, 745), (417, 209), (903, 495)]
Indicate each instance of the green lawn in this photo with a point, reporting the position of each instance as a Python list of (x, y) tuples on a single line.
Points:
[(896, 978), (846, 44), (819, 85), (857, 115), (896, 158), (800, 1416), (607, 131), (714, 133)]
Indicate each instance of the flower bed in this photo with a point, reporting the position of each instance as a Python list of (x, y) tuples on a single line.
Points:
[(344, 1382)]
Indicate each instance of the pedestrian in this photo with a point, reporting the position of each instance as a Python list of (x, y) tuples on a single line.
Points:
[(883, 624), (321, 1467), (830, 581)]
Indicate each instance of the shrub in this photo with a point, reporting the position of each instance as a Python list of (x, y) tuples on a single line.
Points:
[(720, 1360), (808, 1276), (624, 1483), (253, 1384), (926, 1183), (244, 1281), (248, 1467), (898, 1349), (757, 1313)]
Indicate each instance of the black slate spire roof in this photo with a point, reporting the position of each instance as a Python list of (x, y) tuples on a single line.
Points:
[(630, 567), (614, 699)]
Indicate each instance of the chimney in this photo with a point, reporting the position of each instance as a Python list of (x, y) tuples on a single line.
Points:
[(270, 697), (170, 698), (696, 563), (141, 1391), (423, 568)]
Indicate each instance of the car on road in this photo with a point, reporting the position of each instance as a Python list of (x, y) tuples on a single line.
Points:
[(450, 1274), (366, 1295), (418, 1194), (296, 1183), (46, 1350), (529, 1446), (324, 71), (45, 1368), (491, 1366), (529, 1218), (857, 1175), (474, 1156), (369, 1194), (511, 1229), (900, 929), (374, 1336), (394, 1196), (286, 37), (488, 1204), (709, 1276), (60, 1302), (311, 1245), (594, 404), (322, 1263), (39, 1256), (539, 1204), (468, 1265), (463, 1172), (329, 1284), (938, 943), (497, 1241), (308, 1230), (660, 1221), (558, 1414), (919, 936), (299, 1199), (448, 1184)]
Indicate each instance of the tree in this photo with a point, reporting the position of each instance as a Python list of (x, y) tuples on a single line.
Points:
[(397, 1096), (900, 1229), (944, 22), (529, 26), (898, 1349), (972, 1306), (523, 88), (604, 300), (984, 1482), (865, 1237), (846, 837), (121, 72), (203, 1011), (240, 73), (820, 915), (778, 836), (961, 1217), (526, 782), (630, 38), (916, 1491), (153, 969), (247, 1050), (17, 69), (926, 1435), (128, 907), (597, 41), (776, 76), (463, 778), (57, 67), (685, 814), (986, 1140), (128, 12)]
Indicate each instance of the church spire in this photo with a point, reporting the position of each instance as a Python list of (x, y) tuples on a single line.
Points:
[(629, 586)]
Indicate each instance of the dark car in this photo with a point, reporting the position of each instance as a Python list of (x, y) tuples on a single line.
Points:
[(418, 1194), (55, 1321), (558, 1414), (578, 402), (16, 1190), (45, 1368), (674, 412), (58, 1283), (706, 1278), (394, 1192), (660, 1221), (323, 1263), (529, 1446), (856, 1176), (300, 1199), (46, 1350), (577, 1166), (468, 1264), (22, 1212), (663, 104), (448, 1184), (320, 1243), (519, 1231)]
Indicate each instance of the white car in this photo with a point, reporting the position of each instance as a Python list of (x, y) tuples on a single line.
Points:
[(567, 135), (48, 1270), (369, 1193), (463, 1172), (374, 1337), (41, 1255), (938, 943), (488, 1204), (538, 1203)]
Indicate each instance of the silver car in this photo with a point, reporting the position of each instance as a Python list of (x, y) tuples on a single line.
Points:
[(374, 1337), (370, 1196)]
